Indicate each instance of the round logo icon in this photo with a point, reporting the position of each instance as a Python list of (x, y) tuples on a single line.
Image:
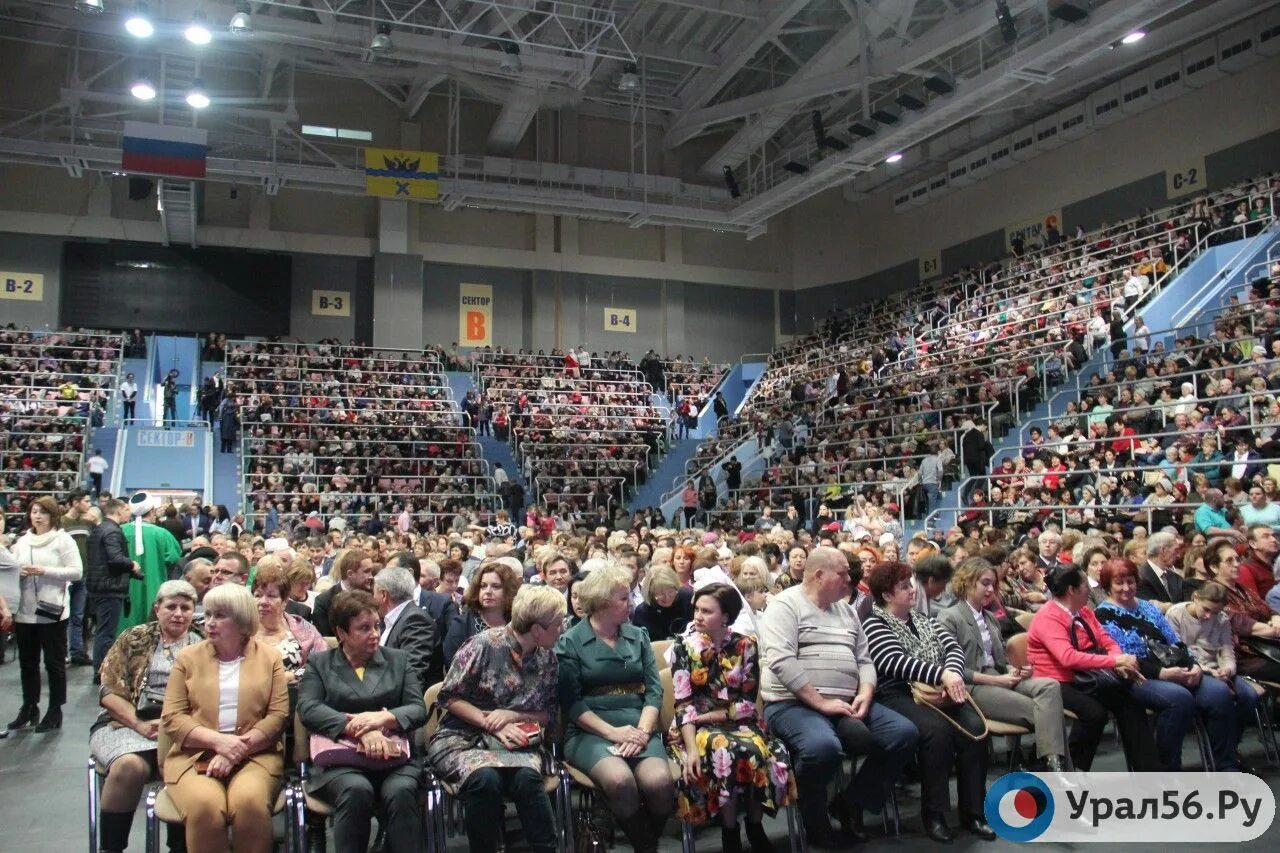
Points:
[(1019, 807)]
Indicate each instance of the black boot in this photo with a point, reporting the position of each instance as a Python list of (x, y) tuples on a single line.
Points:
[(52, 720), (730, 840), (27, 716), (113, 831), (758, 840), (639, 830)]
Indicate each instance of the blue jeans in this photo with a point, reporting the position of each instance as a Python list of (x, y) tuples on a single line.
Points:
[(1176, 707), (75, 625), (932, 496), (818, 744)]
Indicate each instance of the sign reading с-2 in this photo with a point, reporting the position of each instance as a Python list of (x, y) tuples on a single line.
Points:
[(28, 286)]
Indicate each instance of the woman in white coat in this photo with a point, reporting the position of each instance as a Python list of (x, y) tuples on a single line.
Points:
[(49, 560)]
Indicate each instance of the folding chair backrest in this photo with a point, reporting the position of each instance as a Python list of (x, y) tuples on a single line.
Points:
[(430, 699), (660, 648), (668, 700), (1016, 650), (301, 741), (332, 642)]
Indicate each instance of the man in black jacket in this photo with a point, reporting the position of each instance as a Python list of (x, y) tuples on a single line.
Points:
[(107, 575), (438, 606), (405, 626)]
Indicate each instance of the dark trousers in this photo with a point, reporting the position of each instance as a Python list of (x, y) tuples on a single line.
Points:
[(941, 747), (228, 443), (130, 409), (482, 797), (355, 794), (818, 744), (97, 484), (75, 624), (50, 640), (170, 411), (106, 613), (1086, 732)]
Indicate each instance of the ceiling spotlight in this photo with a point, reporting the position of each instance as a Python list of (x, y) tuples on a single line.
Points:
[(1134, 37), (139, 23), (510, 61), (895, 157), (143, 89), (630, 79), (197, 98), (197, 32), (90, 7), (382, 40), (241, 24)]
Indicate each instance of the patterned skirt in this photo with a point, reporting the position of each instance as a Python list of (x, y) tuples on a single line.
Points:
[(733, 761), (110, 742)]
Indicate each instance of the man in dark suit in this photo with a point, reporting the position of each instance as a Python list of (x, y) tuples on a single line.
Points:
[(354, 572), (1049, 543), (1157, 581), (108, 572), (440, 607), (405, 626)]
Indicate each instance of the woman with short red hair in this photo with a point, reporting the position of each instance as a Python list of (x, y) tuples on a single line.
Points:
[(1175, 687)]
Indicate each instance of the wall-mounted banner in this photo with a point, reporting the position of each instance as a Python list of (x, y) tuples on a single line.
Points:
[(475, 315), (401, 174), (930, 265), (28, 286), (166, 438), (1032, 231), (1186, 179), (331, 303), (620, 320)]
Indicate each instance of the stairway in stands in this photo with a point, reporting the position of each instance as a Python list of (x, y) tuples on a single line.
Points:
[(498, 452), (672, 466)]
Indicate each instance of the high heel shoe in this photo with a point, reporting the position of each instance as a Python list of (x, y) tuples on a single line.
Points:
[(52, 720), (26, 716)]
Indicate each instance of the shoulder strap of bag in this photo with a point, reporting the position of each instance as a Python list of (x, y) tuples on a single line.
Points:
[(986, 729)]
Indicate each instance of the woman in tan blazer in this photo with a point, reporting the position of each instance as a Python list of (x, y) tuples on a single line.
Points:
[(225, 708)]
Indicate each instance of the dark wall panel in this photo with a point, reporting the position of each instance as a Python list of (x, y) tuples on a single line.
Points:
[(175, 290)]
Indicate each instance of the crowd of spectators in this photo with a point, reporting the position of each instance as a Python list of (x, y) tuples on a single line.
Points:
[(52, 384), (363, 432)]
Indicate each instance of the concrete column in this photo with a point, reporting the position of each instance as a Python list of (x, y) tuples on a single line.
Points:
[(398, 282)]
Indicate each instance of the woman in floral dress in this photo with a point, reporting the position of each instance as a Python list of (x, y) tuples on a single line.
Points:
[(502, 678), (716, 735)]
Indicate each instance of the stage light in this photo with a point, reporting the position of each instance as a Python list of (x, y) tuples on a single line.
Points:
[(197, 32), (143, 89), (1134, 37), (895, 157), (197, 98)]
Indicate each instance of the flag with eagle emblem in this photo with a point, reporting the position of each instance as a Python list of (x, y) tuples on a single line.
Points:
[(401, 174)]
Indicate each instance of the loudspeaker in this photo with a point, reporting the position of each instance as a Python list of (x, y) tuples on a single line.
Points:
[(140, 188)]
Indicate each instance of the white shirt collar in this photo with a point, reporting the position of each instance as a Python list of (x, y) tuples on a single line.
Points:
[(389, 621)]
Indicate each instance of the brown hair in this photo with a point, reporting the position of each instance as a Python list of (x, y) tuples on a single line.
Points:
[(347, 561), (272, 575), (883, 577), (510, 586), (1115, 568), (49, 505), (347, 606)]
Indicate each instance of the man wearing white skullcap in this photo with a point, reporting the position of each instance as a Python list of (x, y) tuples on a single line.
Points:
[(153, 548)]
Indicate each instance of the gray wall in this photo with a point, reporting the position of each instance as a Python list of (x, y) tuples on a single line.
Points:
[(397, 300), (1224, 168), (322, 272), (440, 303), (21, 253)]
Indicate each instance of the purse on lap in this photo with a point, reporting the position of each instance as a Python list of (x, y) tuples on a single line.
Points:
[(344, 752)]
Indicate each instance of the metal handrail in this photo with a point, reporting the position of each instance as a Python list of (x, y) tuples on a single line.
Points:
[(1014, 451)]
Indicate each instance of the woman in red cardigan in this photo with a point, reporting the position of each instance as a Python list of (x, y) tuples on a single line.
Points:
[(1053, 654)]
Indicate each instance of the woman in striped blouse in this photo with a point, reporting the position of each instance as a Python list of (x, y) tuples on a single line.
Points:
[(908, 646)]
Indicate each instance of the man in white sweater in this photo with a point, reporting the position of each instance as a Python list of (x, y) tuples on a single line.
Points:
[(818, 685)]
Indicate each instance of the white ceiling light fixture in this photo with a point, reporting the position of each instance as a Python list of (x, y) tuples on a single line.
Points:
[(138, 24), (143, 89), (197, 32), (241, 23), (510, 61), (895, 157), (381, 42), (197, 97), (1134, 37), (630, 79), (90, 7)]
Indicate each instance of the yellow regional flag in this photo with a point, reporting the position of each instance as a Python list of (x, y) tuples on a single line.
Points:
[(401, 174)]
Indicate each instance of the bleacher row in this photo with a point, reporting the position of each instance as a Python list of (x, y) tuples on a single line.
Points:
[(332, 428), (844, 416), (52, 385)]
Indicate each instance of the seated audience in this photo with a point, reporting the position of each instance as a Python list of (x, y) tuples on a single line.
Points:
[(293, 637), (486, 604), (667, 608)]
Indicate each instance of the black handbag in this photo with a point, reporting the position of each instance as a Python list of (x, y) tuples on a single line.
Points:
[(1175, 655), (1091, 680)]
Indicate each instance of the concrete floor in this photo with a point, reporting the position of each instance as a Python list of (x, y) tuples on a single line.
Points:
[(43, 802)]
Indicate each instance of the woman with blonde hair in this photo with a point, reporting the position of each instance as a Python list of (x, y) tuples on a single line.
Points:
[(611, 694), (667, 608), (225, 707)]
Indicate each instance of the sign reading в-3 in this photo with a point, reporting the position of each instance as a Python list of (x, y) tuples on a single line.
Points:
[(167, 438)]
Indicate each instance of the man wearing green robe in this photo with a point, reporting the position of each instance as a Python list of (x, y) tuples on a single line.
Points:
[(156, 551)]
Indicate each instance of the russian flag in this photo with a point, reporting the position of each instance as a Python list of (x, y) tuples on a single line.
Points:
[(159, 149)]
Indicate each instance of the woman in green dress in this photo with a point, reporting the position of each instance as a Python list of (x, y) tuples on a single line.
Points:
[(611, 694)]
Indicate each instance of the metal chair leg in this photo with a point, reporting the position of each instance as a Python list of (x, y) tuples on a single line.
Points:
[(1205, 746), (95, 791), (795, 830), (686, 837), (153, 828), (1015, 752)]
